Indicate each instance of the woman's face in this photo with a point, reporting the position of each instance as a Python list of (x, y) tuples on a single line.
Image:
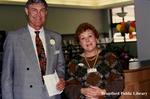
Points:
[(87, 40)]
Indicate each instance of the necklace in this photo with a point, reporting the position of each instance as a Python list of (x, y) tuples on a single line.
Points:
[(92, 59)]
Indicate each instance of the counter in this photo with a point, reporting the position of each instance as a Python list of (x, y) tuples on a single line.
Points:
[(137, 83)]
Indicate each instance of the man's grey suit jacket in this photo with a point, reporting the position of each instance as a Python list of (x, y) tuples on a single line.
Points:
[(21, 76)]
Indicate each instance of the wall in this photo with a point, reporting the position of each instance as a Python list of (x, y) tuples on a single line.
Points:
[(142, 16), (63, 20)]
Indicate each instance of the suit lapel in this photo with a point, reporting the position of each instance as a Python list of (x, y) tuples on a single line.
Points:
[(50, 52), (28, 48), (26, 43)]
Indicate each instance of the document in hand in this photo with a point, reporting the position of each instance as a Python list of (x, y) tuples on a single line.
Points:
[(50, 81)]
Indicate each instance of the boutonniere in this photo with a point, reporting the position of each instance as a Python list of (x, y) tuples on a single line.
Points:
[(52, 41), (81, 64)]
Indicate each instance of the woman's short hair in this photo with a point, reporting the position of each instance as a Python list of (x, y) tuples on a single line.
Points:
[(82, 28)]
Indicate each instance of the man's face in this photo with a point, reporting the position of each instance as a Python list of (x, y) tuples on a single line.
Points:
[(36, 15)]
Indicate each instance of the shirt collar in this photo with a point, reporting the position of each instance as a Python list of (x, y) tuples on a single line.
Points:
[(32, 29)]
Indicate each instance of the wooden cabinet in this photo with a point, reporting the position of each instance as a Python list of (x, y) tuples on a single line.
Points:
[(137, 84)]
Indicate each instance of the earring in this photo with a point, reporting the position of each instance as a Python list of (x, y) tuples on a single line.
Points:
[(97, 41)]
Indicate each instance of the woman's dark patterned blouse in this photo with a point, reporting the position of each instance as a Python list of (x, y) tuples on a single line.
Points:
[(107, 76)]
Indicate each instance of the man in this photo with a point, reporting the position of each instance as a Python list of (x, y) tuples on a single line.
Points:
[(26, 51)]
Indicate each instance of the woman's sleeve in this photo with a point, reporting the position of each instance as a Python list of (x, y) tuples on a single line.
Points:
[(115, 81), (72, 88)]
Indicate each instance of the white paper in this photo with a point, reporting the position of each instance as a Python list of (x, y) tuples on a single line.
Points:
[(50, 81)]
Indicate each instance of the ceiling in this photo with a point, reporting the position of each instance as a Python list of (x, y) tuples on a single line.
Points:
[(90, 4)]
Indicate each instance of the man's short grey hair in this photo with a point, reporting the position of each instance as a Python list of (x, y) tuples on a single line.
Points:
[(29, 2)]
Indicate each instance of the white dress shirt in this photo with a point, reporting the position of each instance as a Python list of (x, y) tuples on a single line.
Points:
[(41, 35)]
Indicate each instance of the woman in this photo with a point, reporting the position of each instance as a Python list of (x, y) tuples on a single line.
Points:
[(94, 74)]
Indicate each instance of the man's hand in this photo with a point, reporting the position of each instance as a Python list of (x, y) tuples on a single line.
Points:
[(61, 84)]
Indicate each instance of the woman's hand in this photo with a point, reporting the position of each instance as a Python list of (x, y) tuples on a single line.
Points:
[(98, 91), (93, 92), (61, 84), (88, 92)]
